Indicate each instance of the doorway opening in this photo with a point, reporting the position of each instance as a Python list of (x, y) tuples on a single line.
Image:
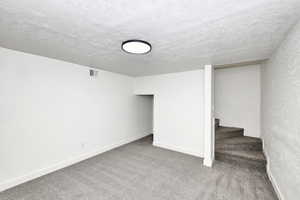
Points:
[(237, 112), (146, 116)]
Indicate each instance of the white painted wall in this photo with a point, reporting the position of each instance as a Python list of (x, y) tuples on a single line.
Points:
[(178, 110), (53, 114), (281, 116), (238, 97)]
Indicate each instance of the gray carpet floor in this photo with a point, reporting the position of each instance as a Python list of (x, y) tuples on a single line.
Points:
[(139, 171)]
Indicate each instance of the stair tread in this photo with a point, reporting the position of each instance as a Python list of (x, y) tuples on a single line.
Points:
[(242, 143), (252, 155), (223, 129), (239, 140)]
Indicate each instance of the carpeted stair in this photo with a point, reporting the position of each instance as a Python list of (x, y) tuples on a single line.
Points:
[(233, 147)]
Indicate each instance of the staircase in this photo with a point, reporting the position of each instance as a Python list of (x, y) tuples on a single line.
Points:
[(233, 147)]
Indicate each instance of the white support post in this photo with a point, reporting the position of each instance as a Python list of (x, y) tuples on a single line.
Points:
[(209, 132)]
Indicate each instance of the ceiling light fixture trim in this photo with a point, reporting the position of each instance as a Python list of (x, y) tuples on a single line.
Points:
[(136, 46)]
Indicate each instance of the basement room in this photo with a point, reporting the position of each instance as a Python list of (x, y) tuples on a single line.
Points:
[(149, 100)]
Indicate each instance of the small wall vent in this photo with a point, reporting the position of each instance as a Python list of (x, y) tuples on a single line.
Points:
[(93, 73)]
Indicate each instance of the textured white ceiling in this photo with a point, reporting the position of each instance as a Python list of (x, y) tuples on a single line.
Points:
[(185, 34)]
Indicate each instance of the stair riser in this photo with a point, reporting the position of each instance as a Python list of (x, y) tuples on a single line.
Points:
[(243, 162), (229, 134), (243, 147)]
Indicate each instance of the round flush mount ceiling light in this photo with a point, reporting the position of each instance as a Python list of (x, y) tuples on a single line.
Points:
[(136, 46)]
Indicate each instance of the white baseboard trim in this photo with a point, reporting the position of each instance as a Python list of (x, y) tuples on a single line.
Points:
[(208, 162), (271, 177), (41, 172), (178, 149)]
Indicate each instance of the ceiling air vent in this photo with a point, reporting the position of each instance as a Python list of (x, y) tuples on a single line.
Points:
[(93, 73)]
